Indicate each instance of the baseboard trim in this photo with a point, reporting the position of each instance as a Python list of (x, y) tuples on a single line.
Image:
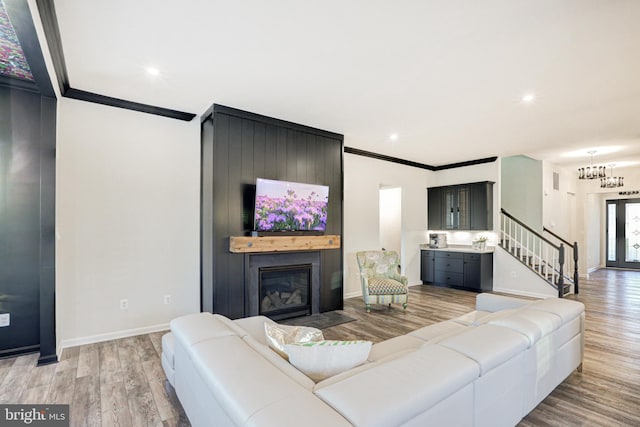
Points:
[(352, 295), (91, 339), (19, 351)]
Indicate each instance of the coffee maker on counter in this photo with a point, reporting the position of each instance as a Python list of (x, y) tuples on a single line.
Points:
[(437, 240)]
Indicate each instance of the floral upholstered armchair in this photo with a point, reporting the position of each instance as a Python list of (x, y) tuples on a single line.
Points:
[(381, 282)]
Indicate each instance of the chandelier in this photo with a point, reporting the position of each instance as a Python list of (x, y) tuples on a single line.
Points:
[(611, 181), (592, 172)]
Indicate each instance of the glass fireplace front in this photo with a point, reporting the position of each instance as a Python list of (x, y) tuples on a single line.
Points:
[(285, 291)]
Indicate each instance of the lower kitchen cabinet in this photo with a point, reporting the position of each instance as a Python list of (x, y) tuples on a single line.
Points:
[(467, 270), (427, 265)]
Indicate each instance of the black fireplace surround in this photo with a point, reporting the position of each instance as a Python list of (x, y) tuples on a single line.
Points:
[(237, 147), (271, 299)]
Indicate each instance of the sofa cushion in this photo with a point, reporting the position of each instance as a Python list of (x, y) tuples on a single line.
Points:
[(323, 359), (534, 324), (254, 326), (398, 390), (194, 328), (382, 286), (495, 315), (471, 318), (401, 344), (241, 380), (437, 331), (277, 360), (488, 345), (277, 336), (492, 302), (302, 409), (566, 309)]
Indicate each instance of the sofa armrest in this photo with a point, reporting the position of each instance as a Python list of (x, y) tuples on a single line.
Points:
[(492, 303)]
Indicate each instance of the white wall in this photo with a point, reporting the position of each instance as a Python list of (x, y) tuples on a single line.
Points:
[(127, 221), (559, 206), (512, 277), (521, 189), (363, 178)]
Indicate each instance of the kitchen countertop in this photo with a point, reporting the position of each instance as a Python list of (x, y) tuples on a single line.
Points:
[(458, 248)]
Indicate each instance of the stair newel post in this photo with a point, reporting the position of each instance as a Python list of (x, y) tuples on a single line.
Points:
[(575, 267), (560, 272)]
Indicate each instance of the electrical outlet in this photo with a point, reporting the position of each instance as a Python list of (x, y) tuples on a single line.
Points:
[(5, 320), (167, 299), (124, 304)]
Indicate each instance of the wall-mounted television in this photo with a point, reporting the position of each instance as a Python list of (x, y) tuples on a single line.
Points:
[(290, 206)]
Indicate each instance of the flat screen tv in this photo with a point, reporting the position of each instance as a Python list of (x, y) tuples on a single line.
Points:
[(290, 206)]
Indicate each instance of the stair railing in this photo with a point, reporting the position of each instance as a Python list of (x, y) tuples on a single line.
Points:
[(573, 252), (531, 248)]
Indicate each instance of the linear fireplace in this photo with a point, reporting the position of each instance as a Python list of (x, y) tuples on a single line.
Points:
[(283, 284)]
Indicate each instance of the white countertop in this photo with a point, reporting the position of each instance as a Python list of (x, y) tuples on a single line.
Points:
[(458, 248)]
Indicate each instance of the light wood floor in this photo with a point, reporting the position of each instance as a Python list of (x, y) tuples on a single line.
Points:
[(121, 382)]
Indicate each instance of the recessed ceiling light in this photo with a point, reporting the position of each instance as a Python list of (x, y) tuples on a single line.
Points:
[(393, 137), (153, 71), (528, 98)]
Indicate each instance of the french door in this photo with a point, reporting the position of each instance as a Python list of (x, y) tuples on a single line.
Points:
[(623, 233)]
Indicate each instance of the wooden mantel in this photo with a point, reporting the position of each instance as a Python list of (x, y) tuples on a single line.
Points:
[(243, 244)]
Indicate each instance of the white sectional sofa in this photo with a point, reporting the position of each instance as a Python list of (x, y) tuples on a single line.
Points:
[(489, 367)]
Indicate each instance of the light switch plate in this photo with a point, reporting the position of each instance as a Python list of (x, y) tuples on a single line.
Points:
[(5, 319)]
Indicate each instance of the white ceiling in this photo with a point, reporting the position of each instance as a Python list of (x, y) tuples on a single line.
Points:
[(447, 76)]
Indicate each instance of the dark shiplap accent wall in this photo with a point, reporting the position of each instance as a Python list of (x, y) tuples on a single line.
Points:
[(237, 148), (27, 222)]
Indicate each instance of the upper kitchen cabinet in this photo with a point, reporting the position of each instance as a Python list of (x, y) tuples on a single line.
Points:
[(461, 207)]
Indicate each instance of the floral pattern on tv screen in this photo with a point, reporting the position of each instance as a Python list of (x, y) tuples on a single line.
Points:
[(290, 206)]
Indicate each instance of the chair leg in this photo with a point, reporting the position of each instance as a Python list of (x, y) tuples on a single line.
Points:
[(368, 307), (389, 306), (404, 306)]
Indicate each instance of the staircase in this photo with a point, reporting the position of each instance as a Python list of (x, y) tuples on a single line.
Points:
[(539, 254)]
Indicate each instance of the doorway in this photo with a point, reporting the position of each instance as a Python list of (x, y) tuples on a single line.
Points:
[(391, 219), (623, 233)]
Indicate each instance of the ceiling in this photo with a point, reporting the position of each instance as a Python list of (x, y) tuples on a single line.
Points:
[(446, 76)]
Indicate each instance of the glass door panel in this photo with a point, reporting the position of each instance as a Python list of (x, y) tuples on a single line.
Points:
[(451, 207), (611, 232), (463, 208), (632, 232)]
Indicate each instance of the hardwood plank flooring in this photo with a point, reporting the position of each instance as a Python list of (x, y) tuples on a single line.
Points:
[(121, 382)]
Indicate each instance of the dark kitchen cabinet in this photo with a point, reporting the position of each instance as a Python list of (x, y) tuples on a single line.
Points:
[(466, 270), (478, 271), (461, 207), (435, 208), (427, 265), (481, 206)]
